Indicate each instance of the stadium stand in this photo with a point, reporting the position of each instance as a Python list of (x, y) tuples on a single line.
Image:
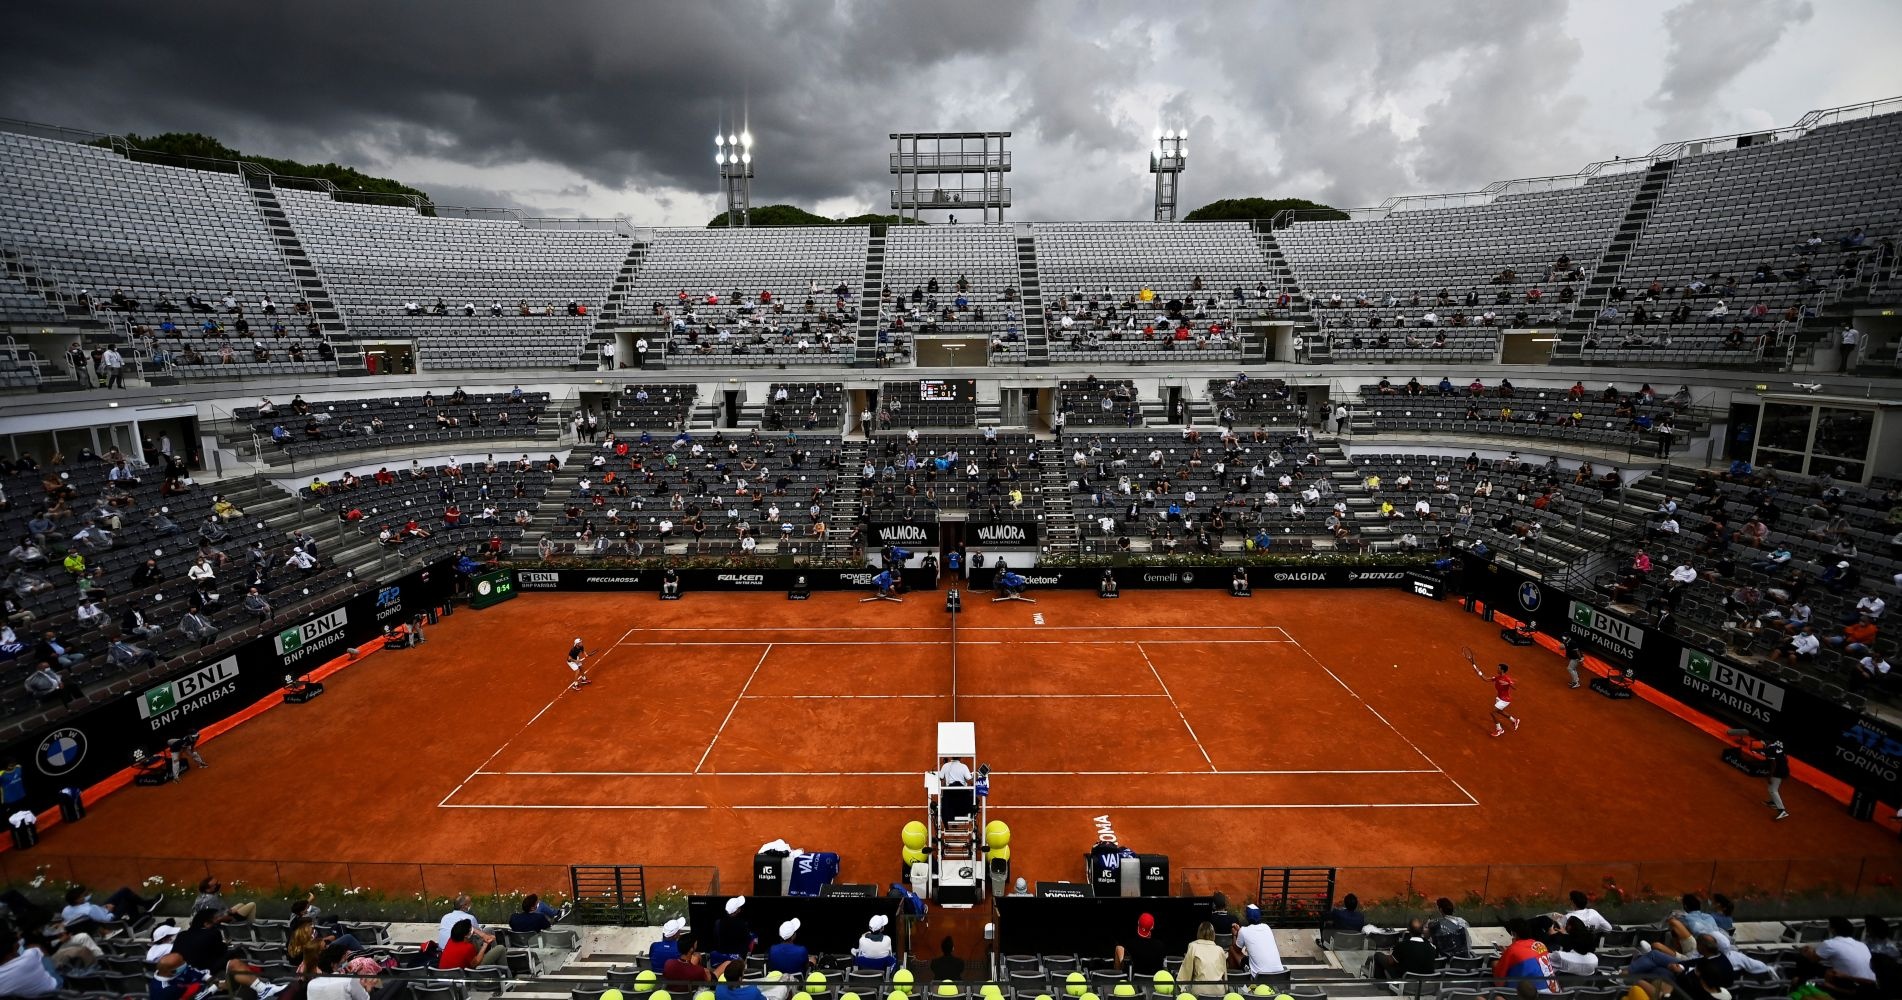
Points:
[(1636, 420), (475, 506), (1206, 493), (374, 423), (804, 406), (721, 296), (1445, 279), (90, 537), (692, 495), (1734, 228), (470, 293), (954, 280), (132, 244), (915, 475), (1109, 282)]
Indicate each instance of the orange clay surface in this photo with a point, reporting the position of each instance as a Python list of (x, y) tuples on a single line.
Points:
[(1225, 733)]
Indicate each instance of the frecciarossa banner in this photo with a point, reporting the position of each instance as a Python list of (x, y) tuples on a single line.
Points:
[(87, 748), (1200, 577), (1859, 749)]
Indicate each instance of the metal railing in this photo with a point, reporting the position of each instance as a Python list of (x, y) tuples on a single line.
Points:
[(928, 161), (1628, 890), (370, 879)]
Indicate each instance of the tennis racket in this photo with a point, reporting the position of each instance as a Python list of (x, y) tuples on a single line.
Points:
[(1472, 661)]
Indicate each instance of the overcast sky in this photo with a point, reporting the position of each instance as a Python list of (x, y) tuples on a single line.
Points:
[(606, 108)]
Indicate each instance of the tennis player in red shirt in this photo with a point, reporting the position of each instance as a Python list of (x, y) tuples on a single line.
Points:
[(1502, 701)]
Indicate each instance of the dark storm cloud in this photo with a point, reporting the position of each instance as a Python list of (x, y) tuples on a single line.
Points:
[(602, 107)]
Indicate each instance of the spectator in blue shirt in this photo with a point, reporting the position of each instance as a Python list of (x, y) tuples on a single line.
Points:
[(534, 916), (733, 985), (123, 905), (789, 956), (668, 947)]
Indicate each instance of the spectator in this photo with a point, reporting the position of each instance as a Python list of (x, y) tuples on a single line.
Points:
[(733, 937), (1256, 942), (1345, 917), (733, 985), (1842, 960), (1412, 954), (1204, 966), (46, 683), (667, 949), (173, 979), (1141, 954), (211, 897), (203, 943), (534, 916), (690, 967), (789, 956), (1591, 918), (947, 967), (469, 946), (331, 983), (1525, 959), (1449, 932), (874, 949), (23, 970)]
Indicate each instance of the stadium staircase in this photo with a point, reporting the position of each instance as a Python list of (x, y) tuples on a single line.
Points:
[(871, 305), (546, 518), (1306, 328), (1611, 265), (610, 320), (1036, 335), (20, 269), (1059, 513), (845, 499), (310, 282)]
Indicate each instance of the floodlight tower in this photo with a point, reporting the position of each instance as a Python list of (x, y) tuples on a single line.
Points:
[(1167, 161), (735, 160)]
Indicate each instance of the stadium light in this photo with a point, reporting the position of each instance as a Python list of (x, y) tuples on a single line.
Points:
[(734, 158)]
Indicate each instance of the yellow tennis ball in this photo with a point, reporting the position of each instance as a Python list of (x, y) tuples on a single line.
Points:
[(1163, 984), (1264, 990), (848, 996), (1000, 854), (1073, 984), (990, 990), (915, 835), (643, 983), (997, 833), (1123, 990), (912, 856)]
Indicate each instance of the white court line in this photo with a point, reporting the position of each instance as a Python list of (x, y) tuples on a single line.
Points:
[(892, 697), (1390, 726), (970, 642), (736, 705), (909, 774), (1095, 808), (961, 628), (486, 805), (1178, 708), (505, 744)]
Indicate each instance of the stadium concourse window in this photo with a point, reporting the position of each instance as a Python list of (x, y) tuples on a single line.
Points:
[(1816, 439)]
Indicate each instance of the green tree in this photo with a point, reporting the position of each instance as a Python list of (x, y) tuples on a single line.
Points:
[(1259, 208), (169, 145), (793, 215)]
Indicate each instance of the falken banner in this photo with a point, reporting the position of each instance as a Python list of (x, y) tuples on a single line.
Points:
[(87, 748)]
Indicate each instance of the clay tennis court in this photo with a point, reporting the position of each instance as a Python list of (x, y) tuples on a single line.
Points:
[(1225, 733)]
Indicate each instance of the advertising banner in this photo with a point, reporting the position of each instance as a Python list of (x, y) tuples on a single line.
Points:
[(917, 536), (89, 747), (1212, 577), (1856, 748)]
